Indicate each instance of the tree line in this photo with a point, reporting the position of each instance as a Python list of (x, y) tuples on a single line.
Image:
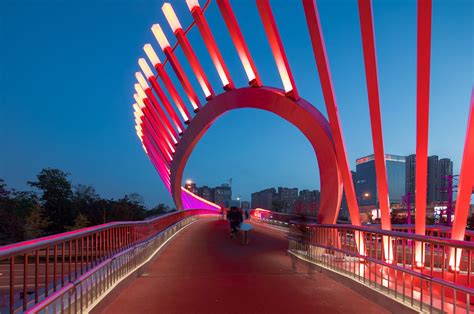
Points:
[(56, 206)]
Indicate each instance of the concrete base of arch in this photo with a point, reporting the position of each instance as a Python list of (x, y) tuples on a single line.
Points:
[(300, 113)]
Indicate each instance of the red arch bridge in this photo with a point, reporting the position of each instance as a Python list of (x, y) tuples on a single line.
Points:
[(105, 268)]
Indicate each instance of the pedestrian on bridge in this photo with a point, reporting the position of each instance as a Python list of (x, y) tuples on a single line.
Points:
[(235, 219)]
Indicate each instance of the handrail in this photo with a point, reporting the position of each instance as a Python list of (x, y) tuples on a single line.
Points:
[(9, 250), (408, 236), (58, 260), (376, 261), (80, 286)]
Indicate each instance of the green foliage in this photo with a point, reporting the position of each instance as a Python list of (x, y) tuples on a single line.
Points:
[(56, 197), (80, 222), (56, 206), (36, 223)]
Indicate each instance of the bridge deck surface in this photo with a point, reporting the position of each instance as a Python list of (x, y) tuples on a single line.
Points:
[(204, 271)]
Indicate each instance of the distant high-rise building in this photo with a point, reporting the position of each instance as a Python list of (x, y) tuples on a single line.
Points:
[(206, 193), (308, 203), (410, 166), (366, 183), (222, 194), (191, 186), (438, 170), (445, 170), (263, 199), (287, 198), (432, 188)]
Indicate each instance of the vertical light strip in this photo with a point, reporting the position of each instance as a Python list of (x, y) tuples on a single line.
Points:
[(161, 95), (156, 163), (187, 49), (177, 68), (422, 120), (465, 188), (148, 109), (239, 42), (370, 61), (211, 44), (319, 50), (155, 61), (144, 123), (147, 93), (278, 50)]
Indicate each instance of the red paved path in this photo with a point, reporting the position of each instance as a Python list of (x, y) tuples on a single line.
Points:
[(204, 271)]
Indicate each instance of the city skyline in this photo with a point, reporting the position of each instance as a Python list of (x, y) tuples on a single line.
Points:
[(80, 121)]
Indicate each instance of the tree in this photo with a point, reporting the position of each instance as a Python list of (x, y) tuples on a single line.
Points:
[(36, 223), (11, 225), (56, 198), (80, 222), (158, 210)]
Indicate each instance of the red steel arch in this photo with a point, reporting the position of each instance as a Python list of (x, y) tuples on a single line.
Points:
[(300, 113)]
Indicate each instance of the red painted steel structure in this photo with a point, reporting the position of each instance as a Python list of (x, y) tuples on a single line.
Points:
[(211, 45), (158, 137), (368, 43), (167, 82), (277, 48), (319, 50), (422, 117), (188, 50), (161, 95), (239, 42), (299, 113), (466, 186), (176, 65)]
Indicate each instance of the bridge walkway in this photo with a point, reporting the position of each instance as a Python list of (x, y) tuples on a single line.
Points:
[(202, 270)]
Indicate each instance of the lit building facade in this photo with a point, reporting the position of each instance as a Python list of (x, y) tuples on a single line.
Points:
[(263, 199), (222, 195), (366, 180)]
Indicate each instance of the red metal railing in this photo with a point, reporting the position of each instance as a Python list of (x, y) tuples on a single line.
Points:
[(433, 286), (33, 270)]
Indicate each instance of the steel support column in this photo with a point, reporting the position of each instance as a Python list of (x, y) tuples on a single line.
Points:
[(465, 188), (422, 118), (319, 50)]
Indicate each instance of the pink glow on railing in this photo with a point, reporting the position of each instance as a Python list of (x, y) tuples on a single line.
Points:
[(192, 201)]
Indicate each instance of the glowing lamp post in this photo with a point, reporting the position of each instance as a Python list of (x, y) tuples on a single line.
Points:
[(164, 100), (178, 69), (151, 54), (210, 43)]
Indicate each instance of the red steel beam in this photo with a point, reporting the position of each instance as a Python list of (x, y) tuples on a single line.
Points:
[(157, 124), (153, 130), (140, 127), (422, 119), (151, 54), (158, 166), (188, 50), (143, 87), (370, 61), (466, 186), (211, 46), (239, 42), (278, 50), (161, 95), (177, 68), (319, 50)]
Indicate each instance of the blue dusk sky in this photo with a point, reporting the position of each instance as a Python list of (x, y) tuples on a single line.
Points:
[(67, 74)]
